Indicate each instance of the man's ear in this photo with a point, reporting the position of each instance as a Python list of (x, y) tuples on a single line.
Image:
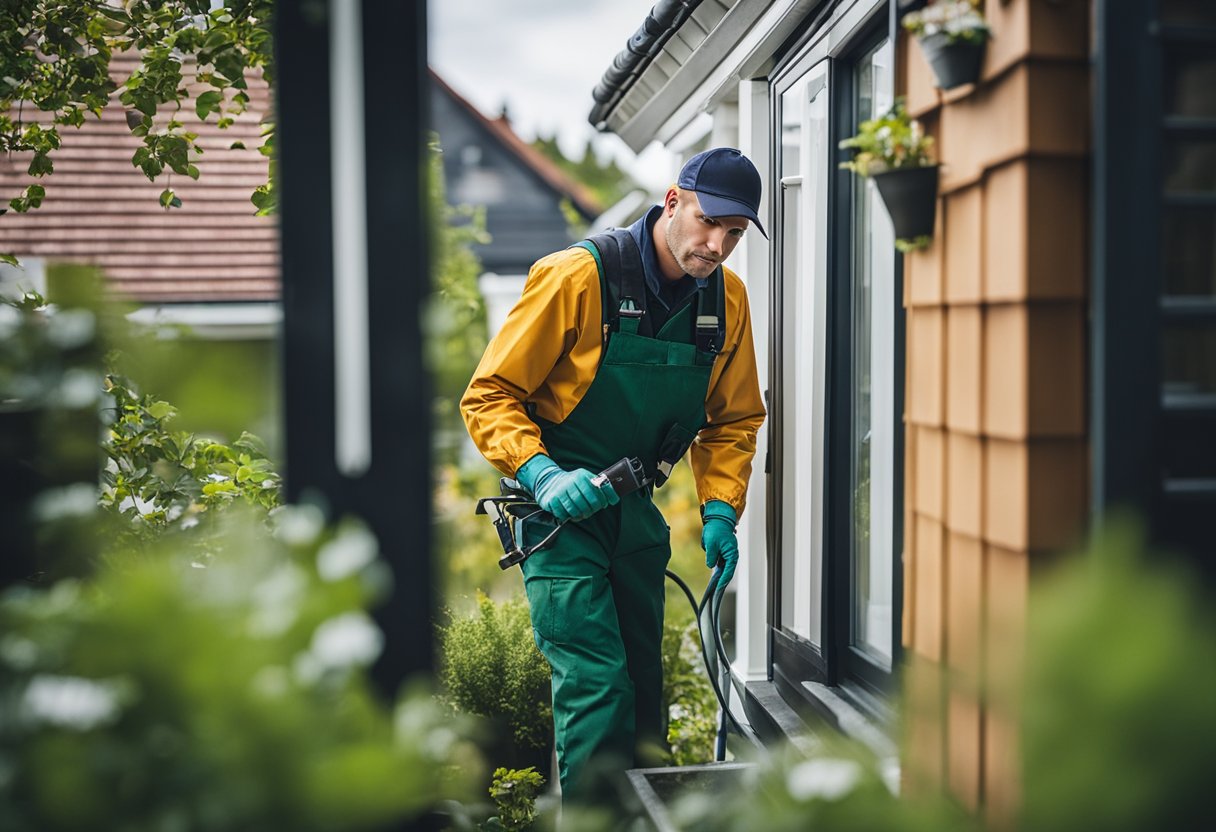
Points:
[(671, 201)]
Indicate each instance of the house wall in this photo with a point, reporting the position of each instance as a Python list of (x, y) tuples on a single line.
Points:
[(995, 406)]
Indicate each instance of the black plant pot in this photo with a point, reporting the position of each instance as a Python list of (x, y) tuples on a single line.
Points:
[(956, 63), (910, 195)]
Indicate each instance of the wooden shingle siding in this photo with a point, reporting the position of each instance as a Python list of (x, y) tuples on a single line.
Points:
[(995, 390), (101, 210)]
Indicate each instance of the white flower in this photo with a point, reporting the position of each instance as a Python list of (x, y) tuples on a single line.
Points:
[(77, 500), (824, 779), (352, 550), (10, 320), (77, 389), (345, 641), (72, 701), (298, 525), (71, 328)]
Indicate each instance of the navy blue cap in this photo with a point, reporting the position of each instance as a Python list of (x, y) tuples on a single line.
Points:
[(726, 182)]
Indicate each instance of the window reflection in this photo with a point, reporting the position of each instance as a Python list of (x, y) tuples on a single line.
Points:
[(1188, 356), (872, 361), (1190, 77), (1189, 251)]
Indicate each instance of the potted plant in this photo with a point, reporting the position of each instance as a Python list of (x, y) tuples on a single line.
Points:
[(953, 35), (894, 151)]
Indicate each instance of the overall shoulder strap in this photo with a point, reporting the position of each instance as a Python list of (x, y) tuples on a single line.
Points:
[(711, 314), (621, 275)]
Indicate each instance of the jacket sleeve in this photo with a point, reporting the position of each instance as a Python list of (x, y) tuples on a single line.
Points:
[(721, 456), (545, 326)]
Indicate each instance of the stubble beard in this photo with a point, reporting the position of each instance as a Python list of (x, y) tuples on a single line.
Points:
[(689, 262)]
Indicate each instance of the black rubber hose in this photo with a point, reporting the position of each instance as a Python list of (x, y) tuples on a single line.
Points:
[(717, 638)]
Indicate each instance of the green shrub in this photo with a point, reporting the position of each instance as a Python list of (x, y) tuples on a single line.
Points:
[(159, 695), (490, 666), (1120, 693), (468, 547), (687, 694), (157, 479), (514, 792)]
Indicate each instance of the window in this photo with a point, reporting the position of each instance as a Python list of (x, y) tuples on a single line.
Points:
[(1154, 287), (837, 325), (804, 177), (871, 383)]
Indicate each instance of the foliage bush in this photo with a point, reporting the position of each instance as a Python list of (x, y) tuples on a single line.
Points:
[(158, 479), (490, 666), (688, 695), (468, 546), (1119, 725), (514, 792), (160, 695)]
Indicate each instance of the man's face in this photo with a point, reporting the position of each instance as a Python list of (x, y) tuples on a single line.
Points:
[(697, 242)]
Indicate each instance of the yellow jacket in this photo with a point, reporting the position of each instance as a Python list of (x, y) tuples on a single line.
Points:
[(547, 354)]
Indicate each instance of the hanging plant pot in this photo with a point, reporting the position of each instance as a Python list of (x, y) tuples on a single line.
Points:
[(910, 195), (954, 64)]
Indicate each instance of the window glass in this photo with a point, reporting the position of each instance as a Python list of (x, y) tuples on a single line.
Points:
[(1190, 77), (1190, 166), (1187, 449), (1189, 250), (1188, 358), (872, 430), (1188, 12), (804, 227)]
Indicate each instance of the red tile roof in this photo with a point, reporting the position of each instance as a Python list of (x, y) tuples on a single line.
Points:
[(99, 209)]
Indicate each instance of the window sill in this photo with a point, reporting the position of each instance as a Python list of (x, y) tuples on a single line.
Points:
[(820, 710)]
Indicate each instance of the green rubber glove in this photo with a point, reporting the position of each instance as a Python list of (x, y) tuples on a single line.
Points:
[(718, 539), (567, 495)]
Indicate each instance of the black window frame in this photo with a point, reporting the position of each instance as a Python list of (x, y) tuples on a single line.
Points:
[(793, 660)]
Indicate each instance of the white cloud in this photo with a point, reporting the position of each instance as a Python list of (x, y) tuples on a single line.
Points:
[(542, 59)]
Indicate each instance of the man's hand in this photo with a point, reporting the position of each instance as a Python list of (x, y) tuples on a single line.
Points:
[(567, 495), (718, 539)]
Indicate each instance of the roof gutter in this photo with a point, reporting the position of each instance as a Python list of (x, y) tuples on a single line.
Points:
[(660, 24)]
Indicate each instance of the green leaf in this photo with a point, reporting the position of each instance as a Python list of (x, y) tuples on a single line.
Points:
[(208, 103), (237, 146), (40, 165), (11, 259), (166, 197), (192, 171), (161, 410), (222, 487)]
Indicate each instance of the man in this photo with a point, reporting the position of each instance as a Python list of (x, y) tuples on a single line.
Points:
[(631, 344)]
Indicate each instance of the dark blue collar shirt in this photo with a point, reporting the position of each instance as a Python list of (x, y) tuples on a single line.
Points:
[(669, 293)]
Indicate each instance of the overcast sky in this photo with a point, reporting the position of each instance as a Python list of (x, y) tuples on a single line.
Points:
[(541, 58)]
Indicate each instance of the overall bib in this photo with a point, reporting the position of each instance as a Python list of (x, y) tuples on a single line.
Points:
[(596, 595)]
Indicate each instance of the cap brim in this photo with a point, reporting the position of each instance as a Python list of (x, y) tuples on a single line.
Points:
[(720, 206)]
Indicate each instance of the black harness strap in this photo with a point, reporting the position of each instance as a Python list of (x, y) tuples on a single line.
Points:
[(622, 276)]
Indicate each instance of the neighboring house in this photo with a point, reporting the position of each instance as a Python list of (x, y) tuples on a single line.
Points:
[(486, 164), (940, 423)]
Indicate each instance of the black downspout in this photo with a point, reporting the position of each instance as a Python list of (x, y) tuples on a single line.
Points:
[(392, 494)]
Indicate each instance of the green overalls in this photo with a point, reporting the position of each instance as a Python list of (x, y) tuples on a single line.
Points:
[(596, 596)]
